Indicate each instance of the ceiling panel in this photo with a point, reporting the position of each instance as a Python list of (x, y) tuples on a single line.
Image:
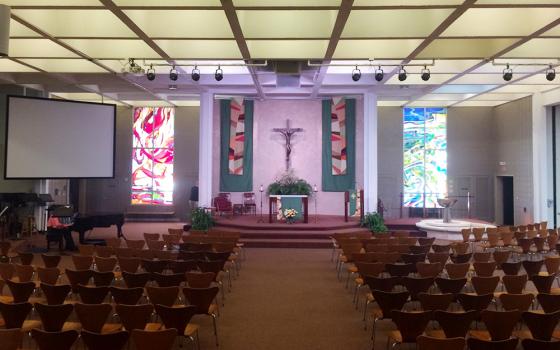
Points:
[(492, 96), (522, 88), (168, 2), (7, 65), (182, 24), (443, 66), (501, 22), (105, 48), (389, 23), (51, 2), (484, 79), (287, 24), (186, 103), (90, 23), (390, 103), (540, 79), (465, 48), (517, 2), (375, 49), (83, 96), (431, 103), (463, 89), (267, 3), (417, 80), (406, 2), (154, 103), (516, 66), (288, 49), (209, 49), (471, 103), (537, 48), (37, 48), (18, 29), (65, 66), (445, 97)]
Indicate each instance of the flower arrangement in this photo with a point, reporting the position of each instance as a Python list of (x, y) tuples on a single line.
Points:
[(289, 183), (290, 215)]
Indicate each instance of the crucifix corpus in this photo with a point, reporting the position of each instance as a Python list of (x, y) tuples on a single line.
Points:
[(288, 132)]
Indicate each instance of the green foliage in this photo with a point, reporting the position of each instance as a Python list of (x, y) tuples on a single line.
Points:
[(374, 222), (290, 184), (201, 220)]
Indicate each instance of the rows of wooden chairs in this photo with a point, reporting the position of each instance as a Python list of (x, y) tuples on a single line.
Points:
[(457, 285)]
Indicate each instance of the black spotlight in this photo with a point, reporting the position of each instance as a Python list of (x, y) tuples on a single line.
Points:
[(173, 74), (550, 73), (425, 74), (219, 75), (379, 74), (151, 73), (508, 73), (402, 74), (195, 74), (356, 74)]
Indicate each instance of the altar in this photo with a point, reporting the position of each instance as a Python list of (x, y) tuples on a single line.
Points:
[(274, 200)]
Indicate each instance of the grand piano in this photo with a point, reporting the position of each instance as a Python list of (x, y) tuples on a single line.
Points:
[(84, 223)]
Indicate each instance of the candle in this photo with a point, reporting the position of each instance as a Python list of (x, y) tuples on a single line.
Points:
[(261, 188), (315, 189)]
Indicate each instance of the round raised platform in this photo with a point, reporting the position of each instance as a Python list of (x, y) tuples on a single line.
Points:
[(450, 230)]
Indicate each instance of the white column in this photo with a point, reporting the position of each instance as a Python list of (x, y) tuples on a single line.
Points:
[(370, 152), (539, 132), (205, 150)]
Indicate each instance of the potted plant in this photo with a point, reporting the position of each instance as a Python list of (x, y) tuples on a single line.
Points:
[(374, 222), (201, 220), (288, 184)]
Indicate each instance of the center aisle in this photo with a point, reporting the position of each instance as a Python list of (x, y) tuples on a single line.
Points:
[(290, 299)]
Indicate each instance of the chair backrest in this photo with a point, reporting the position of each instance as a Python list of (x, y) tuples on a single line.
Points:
[(176, 317), (474, 302), (106, 341), (532, 267), (91, 294), (543, 284), (549, 302), (511, 268), (429, 343), (86, 249), (389, 301), (520, 302), (51, 260), (53, 316), (93, 316), (478, 344), (400, 270), (500, 257), (202, 298), (27, 258), (450, 285), (7, 270), (455, 324), (24, 273), (10, 339), (457, 270), (14, 314), (128, 264), (460, 248), (105, 264), (169, 280), (54, 340), (385, 284), (199, 279), (113, 242), (76, 277), (138, 279), (162, 295), (438, 257), (461, 258), (103, 279), (541, 325), (128, 296), (134, 316), (21, 291), (55, 294), (411, 324), (416, 285), (106, 251), (151, 236), (149, 340), (433, 302), (485, 285), (515, 284), (482, 256), (428, 269), (48, 275), (552, 263), (500, 324), (183, 266), (536, 344), (135, 243)]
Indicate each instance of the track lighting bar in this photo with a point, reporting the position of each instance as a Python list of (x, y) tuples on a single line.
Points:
[(371, 62), (197, 64)]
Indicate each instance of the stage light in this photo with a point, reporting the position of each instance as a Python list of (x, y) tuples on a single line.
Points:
[(356, 74), (151, 73), (173, 74), (195, 74), (508, 73), (425, 74), (379, 74), (550, 73), (219, 75), (402, 74)]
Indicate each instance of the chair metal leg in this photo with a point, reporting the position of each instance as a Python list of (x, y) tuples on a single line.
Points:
[(215, 328)]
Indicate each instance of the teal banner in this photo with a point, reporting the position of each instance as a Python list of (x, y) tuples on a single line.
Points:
[(236, 182), (346, 179)]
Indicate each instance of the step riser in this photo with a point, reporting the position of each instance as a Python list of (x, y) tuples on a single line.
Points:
[(297, 245)]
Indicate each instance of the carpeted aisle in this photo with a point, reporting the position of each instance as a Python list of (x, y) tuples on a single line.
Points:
[(290, 299)]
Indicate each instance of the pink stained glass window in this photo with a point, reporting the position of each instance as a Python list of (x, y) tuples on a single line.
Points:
[(152, 156)]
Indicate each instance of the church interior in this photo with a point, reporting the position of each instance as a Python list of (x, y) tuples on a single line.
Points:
[(279, 174)]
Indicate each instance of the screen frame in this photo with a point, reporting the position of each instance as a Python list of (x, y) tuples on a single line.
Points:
[(8, 97)]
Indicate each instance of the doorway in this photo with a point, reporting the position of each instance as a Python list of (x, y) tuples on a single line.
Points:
[(504, 199)]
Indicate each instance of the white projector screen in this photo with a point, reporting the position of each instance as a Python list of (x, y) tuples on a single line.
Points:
[(48, 138)]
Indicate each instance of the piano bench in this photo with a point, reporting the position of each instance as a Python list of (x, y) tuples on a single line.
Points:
[(55, 237)]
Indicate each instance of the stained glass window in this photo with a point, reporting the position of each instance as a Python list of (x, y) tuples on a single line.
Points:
[(425, 156), (152, 155)]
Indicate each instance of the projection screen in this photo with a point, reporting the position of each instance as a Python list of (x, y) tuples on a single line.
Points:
[(48, 138)]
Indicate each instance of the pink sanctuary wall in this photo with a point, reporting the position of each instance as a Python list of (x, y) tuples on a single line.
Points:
[(269, 151)]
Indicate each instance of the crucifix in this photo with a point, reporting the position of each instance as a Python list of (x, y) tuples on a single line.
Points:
[(288, 132)]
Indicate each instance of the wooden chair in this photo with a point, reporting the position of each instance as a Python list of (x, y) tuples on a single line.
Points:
[(399, 270), (76, 277), (139, 279), (543, 284), (535, 344), (485, 285), (149, 340), (53, 317), (93, 317), (532, 267), (105, 264), (113, 242), (482, 256), (130, 265), (441, 248), (433, 302), (10, 339), (55, 294), (203, 299), (428, 269), (453, 324), (179, 318), (153, 265), (128, 296), (416, 285), (27, 258), (466, 233), (21, 291), (520, 302), (514, 284), (457, 270), (103, 279), (15, 315), (549, 302), (151, 236), (86, 249), (183, 266), (552, 264), (162, 295), (474, 302), (426, 241), (24, 273), (500, 257), (51, 260), (54, 340), (541, 325), (135, 243), (419, 249), (201, 279), (105, 251), (49, 275), (92, 295), (461, 258), (484, 269), (441, 258), (134, 316), (429, 343), (82, 262), (410, 325), (109, 341), (450, 285), (478, 344), (511, 268), (168, 280), (499, 324)]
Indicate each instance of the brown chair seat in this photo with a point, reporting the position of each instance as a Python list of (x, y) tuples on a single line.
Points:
[(430, 343)]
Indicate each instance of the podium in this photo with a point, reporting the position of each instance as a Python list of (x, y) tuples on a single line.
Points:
[(273, 199)]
